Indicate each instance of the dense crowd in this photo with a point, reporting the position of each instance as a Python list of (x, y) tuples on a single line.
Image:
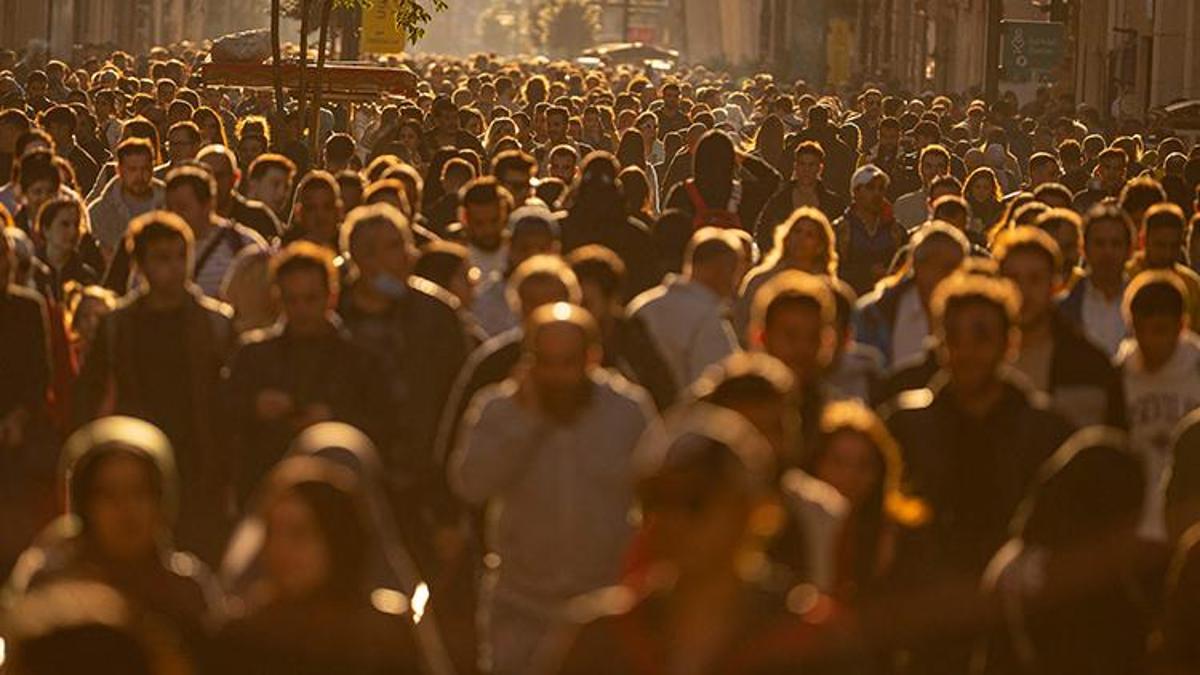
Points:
[(561, 369)]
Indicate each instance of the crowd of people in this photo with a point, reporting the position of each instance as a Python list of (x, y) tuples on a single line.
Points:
[(553, 368)]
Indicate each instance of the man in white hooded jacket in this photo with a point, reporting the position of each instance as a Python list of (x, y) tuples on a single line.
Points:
[(1161, 371)]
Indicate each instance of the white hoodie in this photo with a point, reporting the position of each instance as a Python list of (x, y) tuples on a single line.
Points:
[(1155, 402)]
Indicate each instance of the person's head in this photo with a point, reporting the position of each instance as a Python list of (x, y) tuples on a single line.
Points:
[(951, 209), (60, 223), (1030, 258), (758, 387), (39, 180), (533, 230), (514, 170), (318, 209), (1054, 195), (934, 161), (564, 163), (541, 280), (120, 481), (715, 164), (315, 539), (160, 244), (222, 164), (1108, 239), (60, 121), (1043, 168), (806, 242), (1071, 154), (868, 187), (975, 319), (1138, 196), (938, 249), (211, 126), (13, 123), (247, 289), (338, 152), (189, 195), (981, 187), (1156, 309), (484, 206), (944, 186), (269, 180), (714, 259), (561, 347), (557, 122), (378, 239), (306, 282), (135, 167), (1111, 168), (792, 318), (445, 115), (183, 142), (1066, 229), (455, 174), (601, 275), (448, 265), (1164, 228), (809, 163), (706, 491)]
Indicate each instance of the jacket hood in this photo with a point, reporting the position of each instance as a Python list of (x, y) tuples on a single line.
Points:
[(114, 434)]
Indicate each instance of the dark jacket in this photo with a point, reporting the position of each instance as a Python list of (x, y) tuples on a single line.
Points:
[(631, 351), (875, 320), (329, 370), (759, 182), (25, 359), (256, 216), (50, 281), (491, 362), (972, 473), (856, 267), (780, 206)]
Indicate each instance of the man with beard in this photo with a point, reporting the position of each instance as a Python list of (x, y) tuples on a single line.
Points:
[(482, 215), (553, 445), (133, 193)]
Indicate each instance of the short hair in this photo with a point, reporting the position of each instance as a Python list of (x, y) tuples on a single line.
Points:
[(377, 191), (513, 160), (1032, 240), (439, 261), (709, 244), (810, 148), (370, 217), (304, 256), (542, 267), (1045, 190), (135, 146), (598, 264), (959, 291), (934, 149), (743, 377), (35, 167), (270, 161), (1165, 216), (948, 182), (1070, 151), (200, 181), (484, 190), (1113, 152), (60, 114), (1155, 293), (187, 125), (457, 168), (1053, 220), (153, 227), (950, 206), (1105, 213), (565, 150), (1041, 159), (1140, 194), (934, 232), (562, 313), (792, 288), (254, 125), (51, 208), (339, 146), (318, 180)]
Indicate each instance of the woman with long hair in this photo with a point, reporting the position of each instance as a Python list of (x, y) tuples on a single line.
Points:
[(768, 144), (857, 455), (632, 152), (982, 192)]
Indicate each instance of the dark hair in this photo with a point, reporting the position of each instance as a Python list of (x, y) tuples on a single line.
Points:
[(50, 209), (1032, 240), (38, 166), (1155, 293), (135, 146), (199, 181), (440, 261), (810, 148), (484, 190), (60, 114), (318, 180), (268, 162), (513, 160), (1045, 190), (1165, 216), (154, 227), (1140, 194), (598, 264), (304, 256), (1105, 213)]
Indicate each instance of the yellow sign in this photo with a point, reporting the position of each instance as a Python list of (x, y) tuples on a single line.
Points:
[(379, 32)]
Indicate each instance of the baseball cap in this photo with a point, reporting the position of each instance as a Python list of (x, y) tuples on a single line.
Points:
[(867, 174)]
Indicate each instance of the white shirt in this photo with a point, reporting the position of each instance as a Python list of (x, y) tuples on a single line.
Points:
[(912, 209), (488, 262), (911, 327), (1103, 322)]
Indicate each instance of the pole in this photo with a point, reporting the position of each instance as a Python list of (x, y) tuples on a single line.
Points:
[(49, 29), (625, 21), (991, 76)]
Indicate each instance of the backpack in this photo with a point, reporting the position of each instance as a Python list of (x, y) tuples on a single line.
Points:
[(706, 216)]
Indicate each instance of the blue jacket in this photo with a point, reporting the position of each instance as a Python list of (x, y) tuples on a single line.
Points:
[(875, 320)]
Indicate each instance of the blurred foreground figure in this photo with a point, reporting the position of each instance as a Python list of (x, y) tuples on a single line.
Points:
[(708, 504)]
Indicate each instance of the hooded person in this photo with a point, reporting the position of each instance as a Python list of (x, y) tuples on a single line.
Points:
[(729, 188), (122, 496), (315, 608), (1071, 583), (390, 566)]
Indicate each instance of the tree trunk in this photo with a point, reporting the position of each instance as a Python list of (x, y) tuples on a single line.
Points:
[(301, 108), (276, 70), (322, 48)]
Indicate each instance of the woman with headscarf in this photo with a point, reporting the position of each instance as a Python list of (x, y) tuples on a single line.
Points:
[(315, 608), (728, 188), (388, 561), (122, 493), (1071, 587)]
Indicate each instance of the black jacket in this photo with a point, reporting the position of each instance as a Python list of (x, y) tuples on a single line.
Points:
[(780, 206), (759, 182), (256, 216)]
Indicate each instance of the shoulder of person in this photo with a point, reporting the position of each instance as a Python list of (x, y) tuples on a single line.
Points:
[(28, 298), (257, 339), (215, 307), (814, 494), (431, 294), (647, 297), (603, 603)]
